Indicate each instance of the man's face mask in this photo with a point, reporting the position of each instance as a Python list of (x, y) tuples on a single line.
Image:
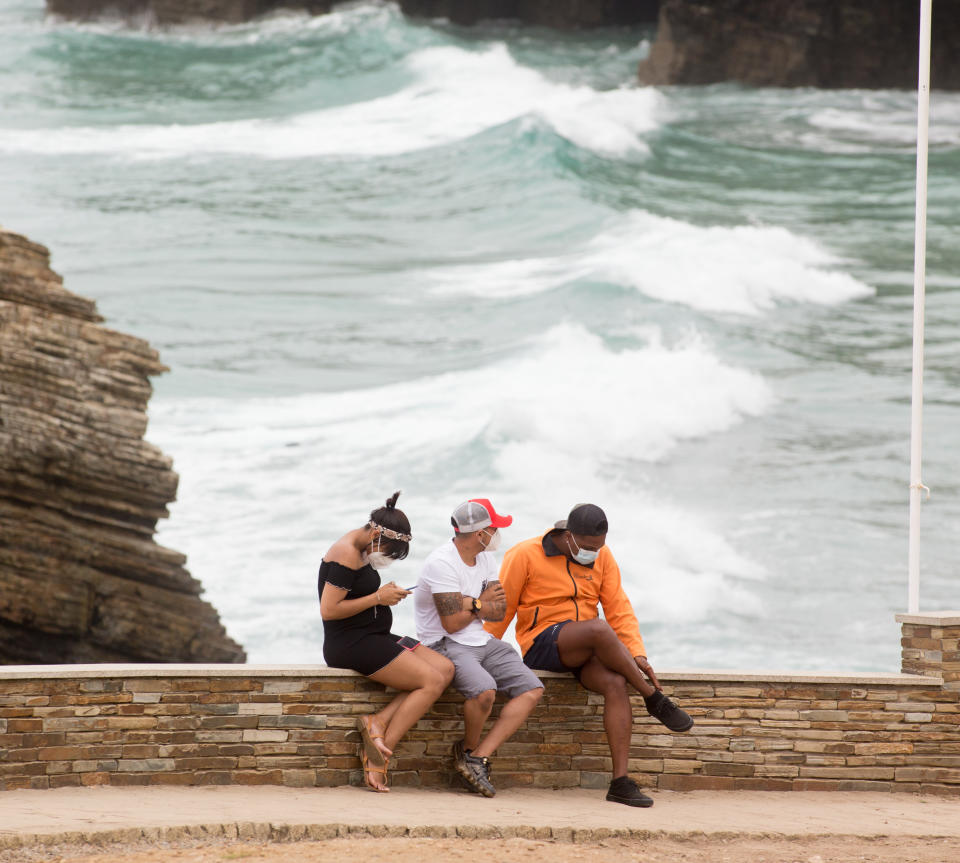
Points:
[(493, 540), (583, 555)]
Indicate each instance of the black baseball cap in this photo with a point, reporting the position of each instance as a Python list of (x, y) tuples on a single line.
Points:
[(585, 519)]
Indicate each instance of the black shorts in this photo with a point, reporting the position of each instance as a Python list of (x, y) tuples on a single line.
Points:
[(543, 653), (367, 655)]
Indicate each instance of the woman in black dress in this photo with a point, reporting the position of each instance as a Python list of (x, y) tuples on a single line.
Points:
[(355, 608)]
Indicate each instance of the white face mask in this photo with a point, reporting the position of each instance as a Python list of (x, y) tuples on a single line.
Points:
[(378, 560), (583, 555), (493, 543)]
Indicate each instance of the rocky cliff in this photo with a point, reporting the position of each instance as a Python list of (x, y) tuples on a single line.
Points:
[(548, 13), (794, 43), (562, 14), (81, 577)]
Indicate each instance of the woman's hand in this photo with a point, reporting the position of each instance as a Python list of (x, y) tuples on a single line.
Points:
[(390, 594)]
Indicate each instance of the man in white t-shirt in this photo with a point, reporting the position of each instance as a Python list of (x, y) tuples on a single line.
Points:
[(457, 591)]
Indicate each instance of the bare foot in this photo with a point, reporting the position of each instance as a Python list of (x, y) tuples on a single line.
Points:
[(375, 777)]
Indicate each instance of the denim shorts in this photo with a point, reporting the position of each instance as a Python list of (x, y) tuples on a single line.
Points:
[(543, 653)]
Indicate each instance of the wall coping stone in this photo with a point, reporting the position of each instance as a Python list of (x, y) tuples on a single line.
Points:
[(931, 618), (114, 670)]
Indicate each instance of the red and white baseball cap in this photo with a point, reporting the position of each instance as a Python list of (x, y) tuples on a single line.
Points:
[(476, 514)]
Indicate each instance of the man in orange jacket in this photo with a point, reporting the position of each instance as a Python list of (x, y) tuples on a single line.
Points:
[(554, 585)]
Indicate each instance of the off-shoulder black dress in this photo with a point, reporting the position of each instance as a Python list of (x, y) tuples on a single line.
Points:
[(362, 642)]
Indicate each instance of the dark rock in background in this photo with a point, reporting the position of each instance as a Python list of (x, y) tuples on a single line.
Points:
[(81, 577), (548, 13), (802, 43), (562, 14)]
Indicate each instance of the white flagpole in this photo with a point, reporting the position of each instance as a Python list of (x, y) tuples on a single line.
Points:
[(919, 289)]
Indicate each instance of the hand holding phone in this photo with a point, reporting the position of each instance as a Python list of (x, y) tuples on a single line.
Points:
[(390, 593)]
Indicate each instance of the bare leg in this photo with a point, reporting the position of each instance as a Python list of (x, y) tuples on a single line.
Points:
[(423, 675), (580, 641), (475, 713), (379, 722), (514, 712), (617, 713)]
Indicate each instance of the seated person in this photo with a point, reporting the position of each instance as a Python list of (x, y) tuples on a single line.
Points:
[(457, 591), (554, 584), (355, 608)]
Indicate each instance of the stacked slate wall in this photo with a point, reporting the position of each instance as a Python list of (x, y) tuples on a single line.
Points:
[(295, 726)]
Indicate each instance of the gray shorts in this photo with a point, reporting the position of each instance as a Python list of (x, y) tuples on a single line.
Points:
[(494, 665)]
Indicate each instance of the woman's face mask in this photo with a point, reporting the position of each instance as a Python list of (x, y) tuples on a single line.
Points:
[(582, 555), (376, 558)]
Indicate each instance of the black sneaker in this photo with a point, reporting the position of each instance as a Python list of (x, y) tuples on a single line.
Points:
[(663, 709), (477, 773), (625, 790)]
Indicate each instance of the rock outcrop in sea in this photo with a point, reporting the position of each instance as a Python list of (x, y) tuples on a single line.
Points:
[(548, 13), (769, 43), (81, 576), (802, 43)]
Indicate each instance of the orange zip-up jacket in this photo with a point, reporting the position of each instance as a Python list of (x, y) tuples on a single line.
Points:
[(543, 587)]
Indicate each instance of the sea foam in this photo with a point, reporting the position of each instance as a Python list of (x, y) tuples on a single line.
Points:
[(268, 484), (743, 269), (453, 94)]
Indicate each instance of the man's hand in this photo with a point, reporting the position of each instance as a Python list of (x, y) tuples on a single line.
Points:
[(494, 602), (647, 669)]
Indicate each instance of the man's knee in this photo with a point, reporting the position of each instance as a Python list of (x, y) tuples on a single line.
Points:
[(599, 678), (614, 686), (600, 630), (588, 632), (485, 699)]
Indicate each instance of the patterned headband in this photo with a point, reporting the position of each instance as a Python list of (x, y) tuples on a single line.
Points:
[(391, 534)]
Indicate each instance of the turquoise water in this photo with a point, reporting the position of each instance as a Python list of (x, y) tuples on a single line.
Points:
[(383, 254)]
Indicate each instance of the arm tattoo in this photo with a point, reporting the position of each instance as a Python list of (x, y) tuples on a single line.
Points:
[(497, 610), (448, 603)]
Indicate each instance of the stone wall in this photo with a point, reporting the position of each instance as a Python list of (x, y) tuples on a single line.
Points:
[(295, 725), (81, 577)]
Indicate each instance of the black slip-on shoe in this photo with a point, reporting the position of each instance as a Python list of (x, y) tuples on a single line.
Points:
[(664, 710), (625, 790)]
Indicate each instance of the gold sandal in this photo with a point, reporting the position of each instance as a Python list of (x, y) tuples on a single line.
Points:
[(369, 768), (373, 752)]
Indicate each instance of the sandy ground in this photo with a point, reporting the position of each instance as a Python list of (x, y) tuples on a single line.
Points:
[(213, 825), (408, 850)]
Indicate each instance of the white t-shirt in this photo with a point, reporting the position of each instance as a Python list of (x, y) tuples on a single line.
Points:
[(445, 572)]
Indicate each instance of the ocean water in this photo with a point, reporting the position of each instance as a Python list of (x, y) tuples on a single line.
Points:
[(383, 254)]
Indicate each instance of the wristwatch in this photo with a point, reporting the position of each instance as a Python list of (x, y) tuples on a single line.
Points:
[(475, 606)]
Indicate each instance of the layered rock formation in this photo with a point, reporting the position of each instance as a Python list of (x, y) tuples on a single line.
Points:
[(81, 577), (793, 43), (549, 13), (562, 14)]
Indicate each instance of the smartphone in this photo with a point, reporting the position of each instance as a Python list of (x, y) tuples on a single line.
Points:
[(407, 642)]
